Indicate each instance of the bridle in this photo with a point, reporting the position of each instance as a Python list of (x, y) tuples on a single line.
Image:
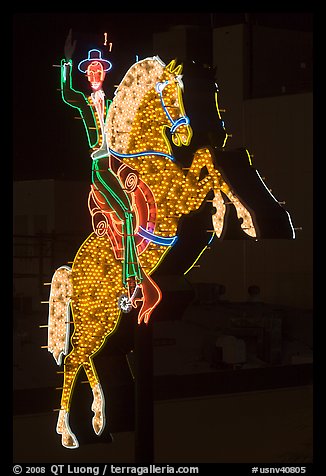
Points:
[(181, 121)]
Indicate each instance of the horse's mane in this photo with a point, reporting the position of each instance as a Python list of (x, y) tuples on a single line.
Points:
[(139, 79)]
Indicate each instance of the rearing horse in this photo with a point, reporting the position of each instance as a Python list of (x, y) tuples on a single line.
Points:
[(147, 110)]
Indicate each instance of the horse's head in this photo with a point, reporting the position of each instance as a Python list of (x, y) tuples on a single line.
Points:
[(147, 103), (170, 89)]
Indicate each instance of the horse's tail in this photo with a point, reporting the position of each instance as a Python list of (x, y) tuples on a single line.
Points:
[(59, 313)]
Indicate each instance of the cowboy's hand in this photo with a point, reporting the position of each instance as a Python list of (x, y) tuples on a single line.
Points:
[(69, 46)]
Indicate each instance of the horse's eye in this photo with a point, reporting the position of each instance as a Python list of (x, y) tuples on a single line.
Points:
[(160, 86)]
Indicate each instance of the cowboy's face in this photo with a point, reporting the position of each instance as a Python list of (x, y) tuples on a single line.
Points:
[(95, 75)]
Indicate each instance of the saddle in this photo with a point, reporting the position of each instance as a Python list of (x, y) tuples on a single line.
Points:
[(105, 221)]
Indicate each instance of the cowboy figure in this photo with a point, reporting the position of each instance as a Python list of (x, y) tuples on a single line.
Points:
[(93, 111)]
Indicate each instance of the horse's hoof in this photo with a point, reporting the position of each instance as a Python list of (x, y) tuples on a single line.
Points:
[(69, 441), (98, 407), (98, 423)]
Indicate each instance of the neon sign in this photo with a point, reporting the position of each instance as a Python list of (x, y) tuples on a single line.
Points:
[(138, 194)]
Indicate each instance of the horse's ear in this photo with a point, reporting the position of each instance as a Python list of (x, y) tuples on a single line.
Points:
[(171, 65), (178, 70)]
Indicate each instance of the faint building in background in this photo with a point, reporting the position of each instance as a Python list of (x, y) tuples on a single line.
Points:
[(264, 77), (49, 224)]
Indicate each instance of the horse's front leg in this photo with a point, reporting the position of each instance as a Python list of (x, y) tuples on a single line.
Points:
[(213, 180), (244, 216), (201, 177), (198, 181)]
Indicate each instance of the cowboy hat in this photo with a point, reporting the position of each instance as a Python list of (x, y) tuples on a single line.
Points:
[(94, 55)]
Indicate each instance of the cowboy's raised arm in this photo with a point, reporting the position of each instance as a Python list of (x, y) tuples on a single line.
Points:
[(70, 46), (78, 100), (69, 95)]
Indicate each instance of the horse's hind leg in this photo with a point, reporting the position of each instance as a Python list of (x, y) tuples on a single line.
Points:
[(71, 368), (98, 405)]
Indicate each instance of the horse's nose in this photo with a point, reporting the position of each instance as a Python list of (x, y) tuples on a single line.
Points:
[(183, 135)]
